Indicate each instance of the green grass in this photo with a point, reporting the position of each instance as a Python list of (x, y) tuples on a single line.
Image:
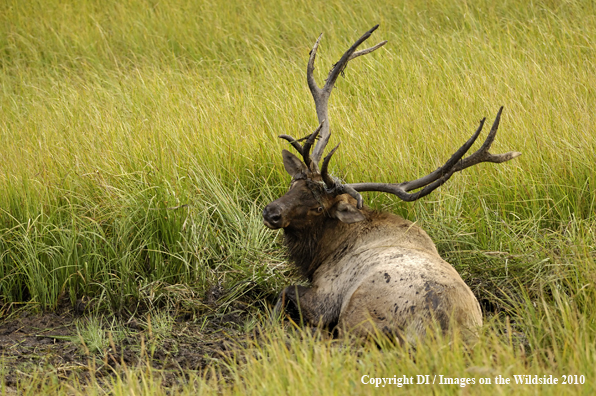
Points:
[(138, 147)]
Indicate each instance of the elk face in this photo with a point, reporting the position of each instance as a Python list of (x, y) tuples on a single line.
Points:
[(308, 201)]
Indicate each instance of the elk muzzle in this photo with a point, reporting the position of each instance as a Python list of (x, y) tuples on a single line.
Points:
[(273, 215)]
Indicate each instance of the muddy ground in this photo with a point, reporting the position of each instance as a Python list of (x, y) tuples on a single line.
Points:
[(33, 343), (50, 342)]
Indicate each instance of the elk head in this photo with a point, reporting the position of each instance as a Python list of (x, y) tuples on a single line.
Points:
[(314, 195)]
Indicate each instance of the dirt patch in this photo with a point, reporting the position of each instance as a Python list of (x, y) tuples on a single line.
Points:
[(53, 342)]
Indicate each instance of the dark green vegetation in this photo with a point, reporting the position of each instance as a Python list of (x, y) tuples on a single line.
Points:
[(138, 147)]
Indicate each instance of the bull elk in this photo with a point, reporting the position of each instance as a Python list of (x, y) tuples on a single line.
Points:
[(369, 271)]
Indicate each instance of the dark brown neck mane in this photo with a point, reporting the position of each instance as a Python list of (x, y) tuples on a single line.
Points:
[(308, 249)]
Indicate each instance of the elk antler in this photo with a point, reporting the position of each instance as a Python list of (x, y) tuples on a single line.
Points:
[(427, 183), (321, 95), (455, 164), (304, 150)]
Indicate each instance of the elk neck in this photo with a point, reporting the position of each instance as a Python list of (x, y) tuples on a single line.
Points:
[(329, 238)]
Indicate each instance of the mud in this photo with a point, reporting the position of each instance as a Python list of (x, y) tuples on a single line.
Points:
[(50, 342)]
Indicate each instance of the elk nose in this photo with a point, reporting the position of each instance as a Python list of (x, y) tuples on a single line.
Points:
[(272, 216)]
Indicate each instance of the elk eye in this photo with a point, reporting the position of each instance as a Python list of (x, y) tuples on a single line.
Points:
[(319, 209)]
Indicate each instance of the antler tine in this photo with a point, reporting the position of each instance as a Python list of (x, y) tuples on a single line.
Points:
[(303, 150), (435, 179), (343, 61), (329, 182), (447, 167), (367, 50), (347, 189), (293, 142), (321, 95), (310, 67), (309, 142), (482, 154)]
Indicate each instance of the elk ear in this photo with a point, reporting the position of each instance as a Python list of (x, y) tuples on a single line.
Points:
[(293, 165), (347, 213)]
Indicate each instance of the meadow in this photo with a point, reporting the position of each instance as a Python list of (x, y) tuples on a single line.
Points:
[(138, 147)]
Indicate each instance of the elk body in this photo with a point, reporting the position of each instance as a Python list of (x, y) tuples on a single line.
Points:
[(369, 271)]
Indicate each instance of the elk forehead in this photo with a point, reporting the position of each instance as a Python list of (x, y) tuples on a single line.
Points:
[(306, 192)]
